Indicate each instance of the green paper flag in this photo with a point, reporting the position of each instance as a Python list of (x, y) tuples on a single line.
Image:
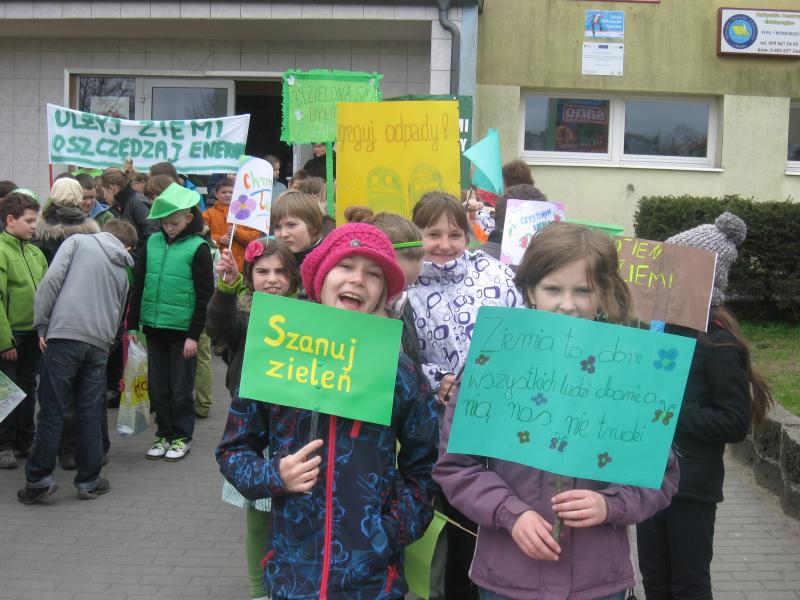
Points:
[(571, 396), (485, 155), (419, 556), (321, 358)]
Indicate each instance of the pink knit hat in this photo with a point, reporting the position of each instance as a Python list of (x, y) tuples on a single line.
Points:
[(348, 240)]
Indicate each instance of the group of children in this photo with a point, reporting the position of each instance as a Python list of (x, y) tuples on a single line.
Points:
[(347, 497)]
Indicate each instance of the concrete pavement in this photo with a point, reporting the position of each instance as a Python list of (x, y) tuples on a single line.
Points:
[(163, 531)]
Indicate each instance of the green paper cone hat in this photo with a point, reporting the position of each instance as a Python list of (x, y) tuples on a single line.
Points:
[(171, 200)]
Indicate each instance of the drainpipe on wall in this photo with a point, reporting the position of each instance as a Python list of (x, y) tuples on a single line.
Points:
[(455, 44)]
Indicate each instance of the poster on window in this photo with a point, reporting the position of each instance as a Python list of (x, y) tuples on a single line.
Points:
[(581, 125), (110, 106)]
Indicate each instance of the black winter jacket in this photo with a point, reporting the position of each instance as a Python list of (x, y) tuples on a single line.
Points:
[(716, 411)]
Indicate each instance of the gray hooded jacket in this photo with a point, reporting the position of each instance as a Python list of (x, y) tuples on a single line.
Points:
[(83, 293)]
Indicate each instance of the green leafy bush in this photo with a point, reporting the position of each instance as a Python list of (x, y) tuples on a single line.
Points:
[(765, 281)]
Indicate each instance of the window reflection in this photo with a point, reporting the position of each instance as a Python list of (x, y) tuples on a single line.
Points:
[(666, 127), (189, 103), (794, 133), (566, 124), (109, 96)]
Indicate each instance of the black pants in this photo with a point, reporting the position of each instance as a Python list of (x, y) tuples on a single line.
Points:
[(16, 430), (170, 384), (675, 549)]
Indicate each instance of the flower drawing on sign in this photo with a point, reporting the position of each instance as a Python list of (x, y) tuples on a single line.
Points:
[(524, 437), (482, 360), (539, 399), (603, 459), (523, 241), (588, 365), (298, 114), (666, 359), (243, 207)]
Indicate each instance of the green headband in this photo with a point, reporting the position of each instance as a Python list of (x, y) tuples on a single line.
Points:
[(400, 245)]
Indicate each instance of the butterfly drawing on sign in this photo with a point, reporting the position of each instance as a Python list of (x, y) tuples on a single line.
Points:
[(588, 365), (558, 443), (664, 414)]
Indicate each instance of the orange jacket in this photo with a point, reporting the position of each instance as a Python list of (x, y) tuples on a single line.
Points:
[(216, 218)]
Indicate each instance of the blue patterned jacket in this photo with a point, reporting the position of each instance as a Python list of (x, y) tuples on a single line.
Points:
[(345, 539)]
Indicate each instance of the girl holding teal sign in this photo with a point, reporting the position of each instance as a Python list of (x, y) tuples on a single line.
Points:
[(571, 270), (346, 503), (270, 268)]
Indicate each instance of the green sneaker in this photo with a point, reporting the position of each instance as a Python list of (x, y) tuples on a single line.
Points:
[(158, 449), (177, 450)]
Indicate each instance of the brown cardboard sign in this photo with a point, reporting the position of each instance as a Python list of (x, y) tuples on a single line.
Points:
[(668, 283)]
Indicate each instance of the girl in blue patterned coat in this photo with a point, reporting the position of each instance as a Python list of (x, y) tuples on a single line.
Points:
[(344, 505)]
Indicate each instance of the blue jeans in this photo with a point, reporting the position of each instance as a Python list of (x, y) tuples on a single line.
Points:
[(77, 370), (489, 595)]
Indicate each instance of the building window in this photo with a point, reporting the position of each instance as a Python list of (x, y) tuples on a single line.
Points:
[(617, 130), (113, 96), (793, 152), (566, 125)]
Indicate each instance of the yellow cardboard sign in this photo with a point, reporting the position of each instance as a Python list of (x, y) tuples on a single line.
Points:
[(389, 154)]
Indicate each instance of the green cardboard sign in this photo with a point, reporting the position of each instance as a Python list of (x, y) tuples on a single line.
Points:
[(310, 97), (419, 558), (571, 396), (320, 358)]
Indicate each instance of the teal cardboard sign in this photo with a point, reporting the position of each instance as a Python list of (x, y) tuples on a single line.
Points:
[(571, 396), (321, 358)]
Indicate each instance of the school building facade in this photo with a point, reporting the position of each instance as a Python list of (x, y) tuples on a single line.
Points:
[(177, 59), (679, 119)]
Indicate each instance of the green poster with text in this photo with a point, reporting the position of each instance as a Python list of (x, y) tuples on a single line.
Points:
[(571, 396), (310, 97), (321, 358)]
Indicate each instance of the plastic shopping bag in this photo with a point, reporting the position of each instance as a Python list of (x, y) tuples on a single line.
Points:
[(134, 405)]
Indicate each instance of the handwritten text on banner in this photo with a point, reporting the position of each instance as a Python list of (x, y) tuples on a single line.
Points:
[(192, 145)]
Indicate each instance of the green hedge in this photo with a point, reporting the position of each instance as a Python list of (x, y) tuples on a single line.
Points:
[(765, 281)]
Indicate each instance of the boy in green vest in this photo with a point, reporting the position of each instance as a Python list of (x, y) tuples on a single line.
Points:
[(22, 266), (173, 283)]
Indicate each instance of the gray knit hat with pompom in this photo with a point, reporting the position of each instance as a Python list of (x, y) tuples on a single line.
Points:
[(727, 232)]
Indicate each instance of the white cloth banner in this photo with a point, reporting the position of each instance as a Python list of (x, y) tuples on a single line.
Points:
[(252, 194), (192, 145)]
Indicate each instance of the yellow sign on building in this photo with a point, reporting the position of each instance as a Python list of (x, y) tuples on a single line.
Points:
[(391, 153)]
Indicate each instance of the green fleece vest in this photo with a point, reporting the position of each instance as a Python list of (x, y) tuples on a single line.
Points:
[(168, 299)]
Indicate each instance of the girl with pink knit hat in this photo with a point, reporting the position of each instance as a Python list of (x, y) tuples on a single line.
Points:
[(344, 504)]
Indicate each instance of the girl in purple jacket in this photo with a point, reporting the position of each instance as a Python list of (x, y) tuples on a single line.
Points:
[(571, 270)]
